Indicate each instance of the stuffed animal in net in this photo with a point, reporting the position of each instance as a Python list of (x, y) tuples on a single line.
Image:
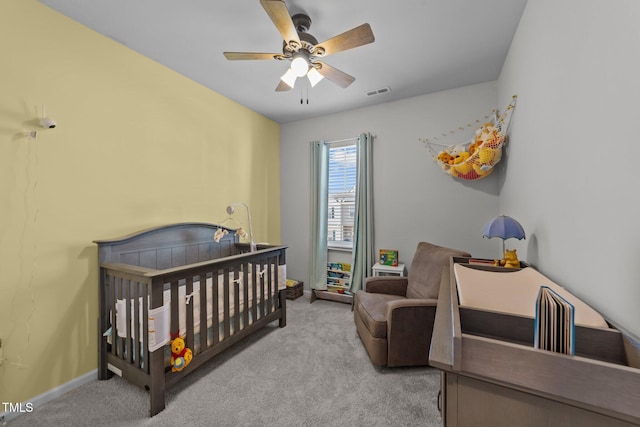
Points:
[(476, 158), (181, 355)]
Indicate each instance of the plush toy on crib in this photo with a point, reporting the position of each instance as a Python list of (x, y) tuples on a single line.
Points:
[(180, 355), (219, 234), (240, 232)]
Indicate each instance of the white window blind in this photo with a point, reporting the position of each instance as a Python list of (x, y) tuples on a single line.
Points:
[(342, 195)]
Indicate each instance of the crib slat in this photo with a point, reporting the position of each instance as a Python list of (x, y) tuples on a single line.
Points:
[(103, 325), (145, 328), (156, 358), (245, 294), (276, 282), (130, 303), (227, 326), (189, 315), (263, 306), (175, 314), (135, 356), (269, 285), (203, 311), (122, 341), (215, 308), (254, 291), (112, 307), (236, 302)]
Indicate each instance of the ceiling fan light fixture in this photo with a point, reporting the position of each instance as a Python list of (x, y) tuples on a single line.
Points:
[(289, 78), (314, 76), (299, 64)]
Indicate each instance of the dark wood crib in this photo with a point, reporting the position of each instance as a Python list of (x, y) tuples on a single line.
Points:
[(178, 277)]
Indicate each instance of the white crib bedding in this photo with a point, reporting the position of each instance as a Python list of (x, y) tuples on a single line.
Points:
[(160, 319), (195, 298)]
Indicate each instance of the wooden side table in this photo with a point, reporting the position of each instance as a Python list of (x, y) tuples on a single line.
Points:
[(387, 270)]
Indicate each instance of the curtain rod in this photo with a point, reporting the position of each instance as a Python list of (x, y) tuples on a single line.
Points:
[(341, 140), (344, 140)]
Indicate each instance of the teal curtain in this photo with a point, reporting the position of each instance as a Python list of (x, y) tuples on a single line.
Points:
[(363, 257), (319, 212)]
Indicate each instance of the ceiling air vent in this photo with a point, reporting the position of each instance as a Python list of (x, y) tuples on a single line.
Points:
[(379, 91)]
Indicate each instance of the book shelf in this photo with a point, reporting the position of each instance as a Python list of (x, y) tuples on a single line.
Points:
[(338, 283)]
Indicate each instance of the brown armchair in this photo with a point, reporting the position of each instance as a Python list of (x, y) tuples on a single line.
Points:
[(394, 315)]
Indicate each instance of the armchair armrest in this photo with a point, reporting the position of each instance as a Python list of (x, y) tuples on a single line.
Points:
[(409, 330), (408, 303), (393, 285)]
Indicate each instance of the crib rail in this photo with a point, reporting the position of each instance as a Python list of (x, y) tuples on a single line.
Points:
[(223, 297)]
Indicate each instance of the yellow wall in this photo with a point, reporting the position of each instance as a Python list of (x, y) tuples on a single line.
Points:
[(137, 145)]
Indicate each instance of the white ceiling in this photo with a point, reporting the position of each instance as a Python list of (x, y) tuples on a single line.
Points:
[(421, 46)]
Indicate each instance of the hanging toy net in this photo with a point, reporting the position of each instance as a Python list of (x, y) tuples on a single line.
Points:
[(475, 158)]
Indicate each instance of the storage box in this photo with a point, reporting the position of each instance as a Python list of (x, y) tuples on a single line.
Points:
[(294, 289)]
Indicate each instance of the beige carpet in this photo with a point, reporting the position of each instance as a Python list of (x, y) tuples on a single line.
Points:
[(313, 372)]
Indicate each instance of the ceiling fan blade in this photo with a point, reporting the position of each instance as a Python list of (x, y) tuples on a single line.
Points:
[(233, 56), (282, 87), (355, 37), (277, 11), (338, 77)]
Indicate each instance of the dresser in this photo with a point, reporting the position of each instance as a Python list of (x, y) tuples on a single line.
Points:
[(491, 374)]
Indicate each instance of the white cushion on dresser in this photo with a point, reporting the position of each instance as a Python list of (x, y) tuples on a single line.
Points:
[(515, 292)]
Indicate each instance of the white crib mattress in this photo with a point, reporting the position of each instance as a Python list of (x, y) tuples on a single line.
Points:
[(515, 292)]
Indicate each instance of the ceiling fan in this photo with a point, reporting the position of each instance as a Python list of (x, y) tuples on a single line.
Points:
[(303, 50)]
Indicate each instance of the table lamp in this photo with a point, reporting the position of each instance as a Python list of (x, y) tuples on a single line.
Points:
[(503, 227)]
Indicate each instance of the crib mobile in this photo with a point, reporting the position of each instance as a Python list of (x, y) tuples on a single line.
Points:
[(220, 232), (475, 158)]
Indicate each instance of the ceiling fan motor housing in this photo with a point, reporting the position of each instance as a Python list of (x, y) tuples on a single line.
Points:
[(302, 24)]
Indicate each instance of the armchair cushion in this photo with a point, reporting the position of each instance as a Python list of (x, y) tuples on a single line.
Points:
[(373, 311)]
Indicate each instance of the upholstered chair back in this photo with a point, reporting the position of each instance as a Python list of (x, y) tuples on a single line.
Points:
[(426, 268)]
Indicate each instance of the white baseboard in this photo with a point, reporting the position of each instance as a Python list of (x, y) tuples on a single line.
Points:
[(48, 396)]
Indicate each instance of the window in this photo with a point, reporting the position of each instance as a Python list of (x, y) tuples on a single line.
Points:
[(342, 195)]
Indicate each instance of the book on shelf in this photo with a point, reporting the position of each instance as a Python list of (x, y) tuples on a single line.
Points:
[(338, 274), (479, 261), (554, 322), (339, 266), (338, 281), (389, 257), (338, 288)]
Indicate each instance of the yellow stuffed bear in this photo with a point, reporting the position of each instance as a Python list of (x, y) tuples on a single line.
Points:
[(181, 355), (444, 157), (510, 259)]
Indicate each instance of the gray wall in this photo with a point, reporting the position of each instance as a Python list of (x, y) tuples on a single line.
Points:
[(572, 170), (413, 199), (569, 171)]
